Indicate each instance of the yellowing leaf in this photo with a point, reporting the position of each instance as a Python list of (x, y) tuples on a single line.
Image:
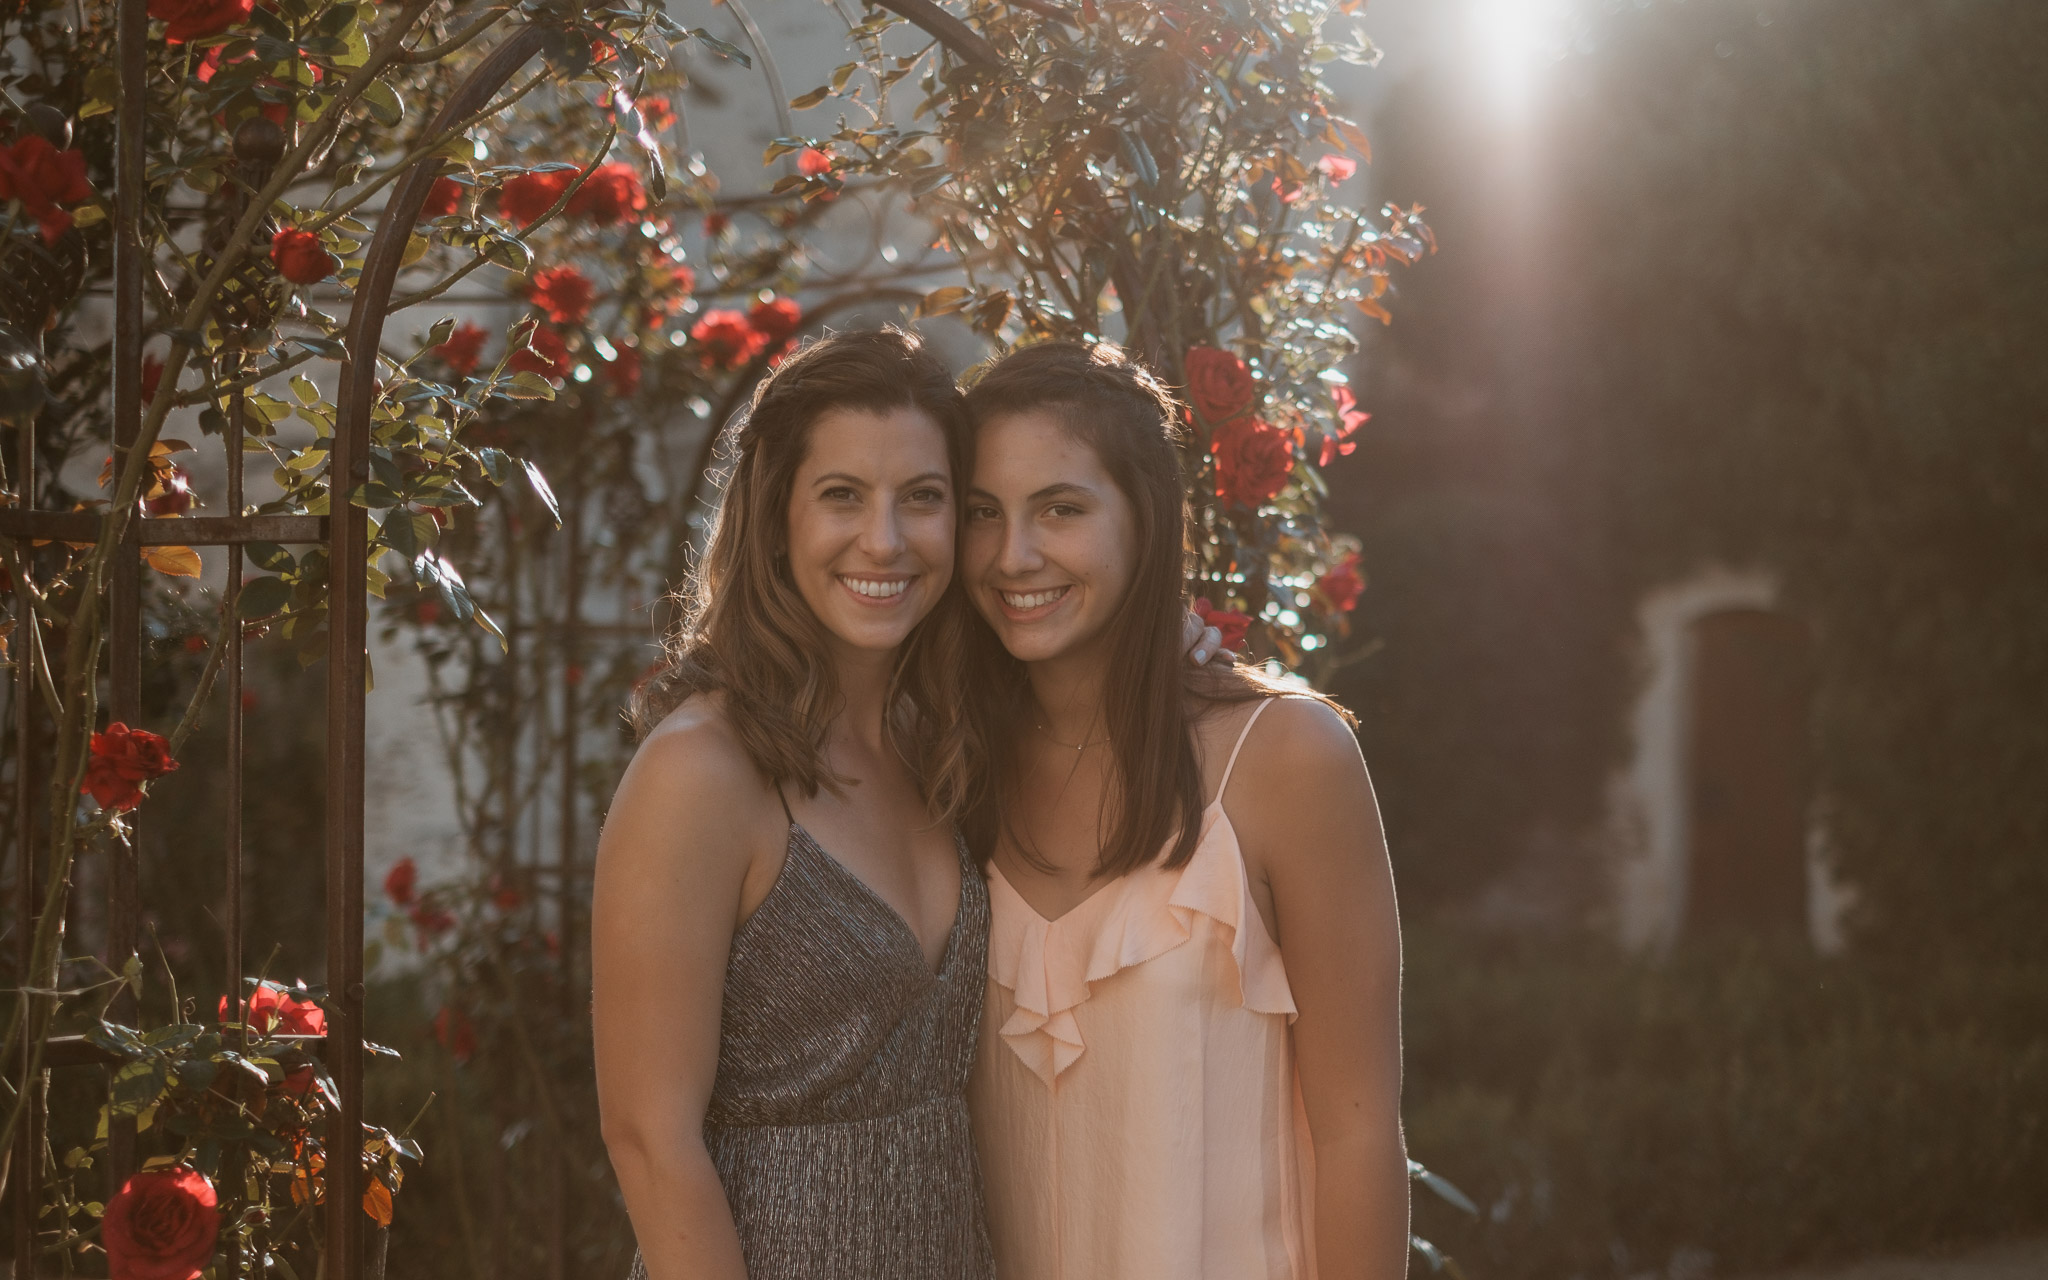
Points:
[(176, 562), (377, 1202), (940, 302)]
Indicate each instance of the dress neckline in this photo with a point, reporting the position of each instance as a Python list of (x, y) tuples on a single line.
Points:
[(1222, 818), (902, 926), (1208, 830)]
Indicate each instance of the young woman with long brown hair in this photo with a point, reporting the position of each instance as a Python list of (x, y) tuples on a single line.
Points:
[(1190, 1061), (788, 937)]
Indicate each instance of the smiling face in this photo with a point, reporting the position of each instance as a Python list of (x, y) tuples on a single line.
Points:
[(1050, 549), (871, 524)]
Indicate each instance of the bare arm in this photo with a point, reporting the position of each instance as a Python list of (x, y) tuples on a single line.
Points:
[(1314, 832), (672, 868)]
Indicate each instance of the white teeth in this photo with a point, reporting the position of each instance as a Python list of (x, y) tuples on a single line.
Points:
[(1036, 599), (876, 590)]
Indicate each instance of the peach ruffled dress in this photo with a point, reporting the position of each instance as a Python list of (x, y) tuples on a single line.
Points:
[(1134, 1095)]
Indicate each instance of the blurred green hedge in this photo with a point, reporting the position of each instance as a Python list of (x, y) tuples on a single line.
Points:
[(1731, 1108)]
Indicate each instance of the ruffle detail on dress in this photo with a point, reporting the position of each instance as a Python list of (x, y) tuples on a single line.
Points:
[(1049, 966)]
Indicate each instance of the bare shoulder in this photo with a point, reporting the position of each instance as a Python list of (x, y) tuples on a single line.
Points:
[(1300, 733), (1300, 767), (1292, 733), (693, 779)]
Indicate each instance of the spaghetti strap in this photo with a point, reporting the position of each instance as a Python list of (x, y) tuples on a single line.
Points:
[(1242, 734), (787, 815)]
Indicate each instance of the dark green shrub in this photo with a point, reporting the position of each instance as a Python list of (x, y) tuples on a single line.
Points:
[(1613, 1115)]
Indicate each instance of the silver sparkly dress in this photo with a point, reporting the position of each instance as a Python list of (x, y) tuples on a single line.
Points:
[(838, 1118)]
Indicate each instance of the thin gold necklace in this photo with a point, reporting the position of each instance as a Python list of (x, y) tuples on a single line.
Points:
[(1068, 745)]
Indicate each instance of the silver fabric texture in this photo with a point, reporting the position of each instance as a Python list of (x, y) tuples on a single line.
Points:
[(838, 1118)]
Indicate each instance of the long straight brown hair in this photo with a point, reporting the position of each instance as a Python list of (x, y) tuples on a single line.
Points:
[(1108, 401), (744, 630)]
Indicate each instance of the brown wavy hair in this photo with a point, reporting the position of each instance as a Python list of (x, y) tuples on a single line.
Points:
[(744, 630), (1107, 400)]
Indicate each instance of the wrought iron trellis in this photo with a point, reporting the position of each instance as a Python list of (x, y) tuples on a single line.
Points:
[(345, 533)]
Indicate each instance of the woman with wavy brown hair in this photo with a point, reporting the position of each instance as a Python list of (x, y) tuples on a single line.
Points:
[(789, 939), (1191, 1060)]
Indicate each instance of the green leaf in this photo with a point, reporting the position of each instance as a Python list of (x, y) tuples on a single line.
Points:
[(509, 252), (175, 1036), (400, 536), (268, 555), (528, 385), (542, 491), (384, 103), (806, 101), (115, 1039), (729, 52), (263, 598), (326, 347), (497, 464)]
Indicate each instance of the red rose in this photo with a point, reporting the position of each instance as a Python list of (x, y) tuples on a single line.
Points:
[(1231, 624), (122, 760), (272, 1011), (1253, 461), (812, 162), (724, 339), (656, 113), (173, 495), (610, 195), (401, 881), (623, 372), (42, 177), (456, 1033), (300, 257), (443, 199), (431, 921), (1219, 384), (545, 354), (1343, 584), (564, 293), (161, 1225), (1337, 168), (775, 320), (197, 19), (464, 348), (525, 198)]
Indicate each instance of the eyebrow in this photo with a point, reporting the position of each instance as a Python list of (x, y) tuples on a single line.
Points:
[(861, 482), (1064, 489)]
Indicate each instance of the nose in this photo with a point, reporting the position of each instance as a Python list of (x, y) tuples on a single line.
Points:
[(1019, 554), (881, 534)]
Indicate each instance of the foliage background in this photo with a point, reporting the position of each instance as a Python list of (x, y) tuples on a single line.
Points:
[(1771, 304)]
